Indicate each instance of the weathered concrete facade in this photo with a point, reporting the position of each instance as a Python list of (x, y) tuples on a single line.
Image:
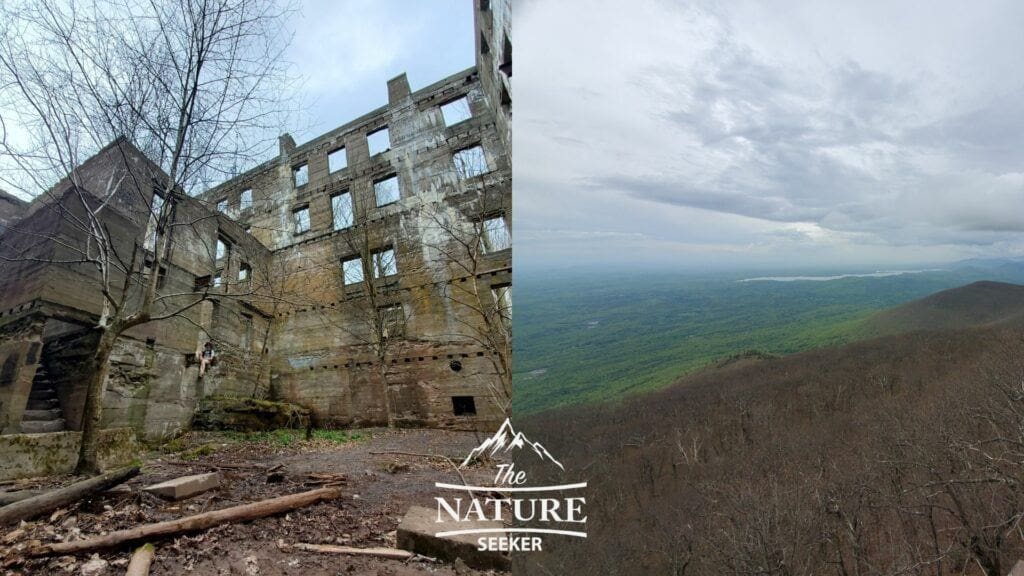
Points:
[(50, 303), (494, 60), (322, 347), (370, 285), (11, 208)]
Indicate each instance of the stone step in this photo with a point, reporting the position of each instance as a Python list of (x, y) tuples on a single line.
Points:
[(42, 404), (40, 426), (42, 393), (51, 414)]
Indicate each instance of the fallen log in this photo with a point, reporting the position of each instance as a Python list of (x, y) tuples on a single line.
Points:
[(141, 559), (18, 495), (53, 499), (202, 521), (393, 553), (325, 479)]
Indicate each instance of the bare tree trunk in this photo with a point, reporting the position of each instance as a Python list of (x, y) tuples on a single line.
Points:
[(388, 409), (92, 416), (142, 558)]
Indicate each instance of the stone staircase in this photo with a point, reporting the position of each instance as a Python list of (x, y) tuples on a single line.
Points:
[(43, 412)]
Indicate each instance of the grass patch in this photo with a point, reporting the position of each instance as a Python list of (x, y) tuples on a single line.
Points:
[(287, 436), (176, 445), (198, 452), (336, 436)]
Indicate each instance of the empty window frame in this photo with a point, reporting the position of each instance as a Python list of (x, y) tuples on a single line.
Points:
[(470, 162), (149, 242), (352, 270), (392, 321), (245, 199), (147, 269), (506, 58), (378, 141), (245, 340), (384, 263), (502, 295), (463, 406), (456, 111), (494, 235), (218, 279), (337, 160), (222, 205), (386, 191), (301, 217), (202, 283), (244, 272), (300, 175), (341, 210), (223, 249)]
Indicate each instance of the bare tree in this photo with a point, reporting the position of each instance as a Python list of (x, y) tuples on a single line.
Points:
[(468, 236), (193, 83), (380, 315)]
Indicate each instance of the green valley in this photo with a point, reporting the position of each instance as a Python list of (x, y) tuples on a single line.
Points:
[(590, 337)]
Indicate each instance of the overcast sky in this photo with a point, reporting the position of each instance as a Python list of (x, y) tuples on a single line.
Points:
[(861, 134), (345, 51)]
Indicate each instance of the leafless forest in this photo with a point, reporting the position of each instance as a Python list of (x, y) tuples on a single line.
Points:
[(896, 455)]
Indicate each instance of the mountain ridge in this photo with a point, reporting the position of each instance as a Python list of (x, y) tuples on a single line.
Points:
[(975, 304)]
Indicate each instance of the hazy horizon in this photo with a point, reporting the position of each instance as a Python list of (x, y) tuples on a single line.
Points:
[(543, 267)]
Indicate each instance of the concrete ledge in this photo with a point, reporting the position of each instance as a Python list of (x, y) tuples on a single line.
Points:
[(30, 455), (416, 534)]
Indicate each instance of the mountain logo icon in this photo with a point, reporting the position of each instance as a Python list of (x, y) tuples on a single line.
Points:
[(507, 439)]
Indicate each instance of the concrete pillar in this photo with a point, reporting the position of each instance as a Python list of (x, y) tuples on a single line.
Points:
[(398, 89)]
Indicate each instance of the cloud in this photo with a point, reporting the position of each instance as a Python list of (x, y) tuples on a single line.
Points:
[(345, 51), (856, 131)]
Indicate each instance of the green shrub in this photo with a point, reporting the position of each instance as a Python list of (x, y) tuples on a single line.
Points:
[(198, 451)]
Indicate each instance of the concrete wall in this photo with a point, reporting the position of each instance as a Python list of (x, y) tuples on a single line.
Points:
[(33, 455), (493, 20), (293, 330), (11, 209), (20, 347), (322, 350), (153, 384)]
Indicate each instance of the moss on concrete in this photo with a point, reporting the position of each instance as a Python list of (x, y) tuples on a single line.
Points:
[(248, 415), (29, 455)]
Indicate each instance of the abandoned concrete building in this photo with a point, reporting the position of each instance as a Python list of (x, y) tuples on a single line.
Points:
[(364, 275)]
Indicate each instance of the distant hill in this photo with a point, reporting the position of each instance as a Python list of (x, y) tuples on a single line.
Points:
[(595, 339), (817, 459), (975, 304)]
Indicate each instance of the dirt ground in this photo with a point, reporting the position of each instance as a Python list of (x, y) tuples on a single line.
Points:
[(378, 489)]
